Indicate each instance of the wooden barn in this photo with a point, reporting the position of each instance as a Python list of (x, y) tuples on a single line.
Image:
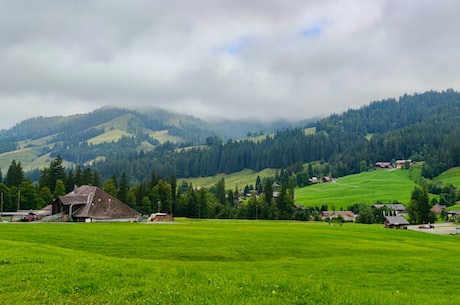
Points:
[(92, 204), (396, 222)]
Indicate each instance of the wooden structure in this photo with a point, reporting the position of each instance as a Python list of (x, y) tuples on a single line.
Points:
[(396, 222), (92, 204)]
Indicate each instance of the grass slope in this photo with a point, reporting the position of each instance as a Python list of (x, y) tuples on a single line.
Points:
[(109, 136), (242, 178), (368, 187), (451, 176), (225, 262)]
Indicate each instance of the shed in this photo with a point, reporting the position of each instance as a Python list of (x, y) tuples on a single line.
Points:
[(396, 222)]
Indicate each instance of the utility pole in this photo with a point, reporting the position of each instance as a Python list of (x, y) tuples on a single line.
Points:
[(1, 209), (19, 200)]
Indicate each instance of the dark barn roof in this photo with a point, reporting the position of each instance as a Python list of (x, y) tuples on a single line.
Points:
[(396, 220), (94, 203)]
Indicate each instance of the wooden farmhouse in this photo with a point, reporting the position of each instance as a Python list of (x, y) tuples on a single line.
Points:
[(91, 204), (396, 222)]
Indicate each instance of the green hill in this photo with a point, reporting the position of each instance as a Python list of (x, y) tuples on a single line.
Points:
[(368, 187), (451, 176), (240, 179)]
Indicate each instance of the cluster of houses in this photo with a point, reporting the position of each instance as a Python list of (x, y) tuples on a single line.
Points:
[(391, 165), (325, 179), (396, 218)]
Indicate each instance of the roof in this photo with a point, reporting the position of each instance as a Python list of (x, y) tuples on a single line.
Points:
[(337, 213), (396, 220), (438, 208), (392, 206), (95, 203)]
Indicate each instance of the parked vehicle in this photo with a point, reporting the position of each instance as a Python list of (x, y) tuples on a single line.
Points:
[(427, 226)]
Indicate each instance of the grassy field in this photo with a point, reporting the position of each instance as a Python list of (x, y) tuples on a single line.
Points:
[(243, 178), (368, 187), (225, 262), (108, 136), (450, 176)]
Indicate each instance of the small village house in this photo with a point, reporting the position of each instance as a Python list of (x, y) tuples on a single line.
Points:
[(395, 209), (346, 215), (396, 222), (438, 208)]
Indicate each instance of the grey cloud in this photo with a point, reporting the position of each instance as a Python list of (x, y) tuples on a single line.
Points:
[(233, 59)]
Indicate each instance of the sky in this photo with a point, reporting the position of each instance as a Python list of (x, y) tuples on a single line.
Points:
[(222, 59)]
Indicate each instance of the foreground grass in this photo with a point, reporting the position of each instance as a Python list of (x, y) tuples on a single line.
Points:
[(225, 262)]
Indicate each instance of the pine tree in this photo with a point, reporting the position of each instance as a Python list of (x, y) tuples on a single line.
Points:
[(15, 175)]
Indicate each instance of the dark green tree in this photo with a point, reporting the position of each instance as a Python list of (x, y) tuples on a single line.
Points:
[(15, 174), (122, 194), (220, 191), (49, 175), (419, 207), (59, 188)]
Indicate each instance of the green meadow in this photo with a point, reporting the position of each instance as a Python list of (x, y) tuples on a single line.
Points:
[(367, 187), (225, 262), (240, 179), (451, 176)]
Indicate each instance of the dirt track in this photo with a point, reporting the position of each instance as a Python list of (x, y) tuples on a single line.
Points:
[(439, 228)]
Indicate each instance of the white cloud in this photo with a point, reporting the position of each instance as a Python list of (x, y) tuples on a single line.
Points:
[(233, 59)]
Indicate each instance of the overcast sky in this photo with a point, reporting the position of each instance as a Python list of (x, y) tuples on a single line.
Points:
[(267, 60)]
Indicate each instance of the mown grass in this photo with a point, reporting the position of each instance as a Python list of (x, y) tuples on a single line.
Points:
[(108, 136), (225, 262), (240, 179), (163, 136), (368, 187), (451, 176)]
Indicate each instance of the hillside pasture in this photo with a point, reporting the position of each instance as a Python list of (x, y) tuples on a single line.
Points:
[(451, 176), (108, 136), (163, 136), (225, 262), (240, 179), (367, 187)]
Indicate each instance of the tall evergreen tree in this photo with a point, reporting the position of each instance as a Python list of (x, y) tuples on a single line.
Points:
[(123, 188), (419, 207), (15, 174)]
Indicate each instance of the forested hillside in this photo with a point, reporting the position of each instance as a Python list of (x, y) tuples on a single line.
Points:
[(109, 132), (421, 127)]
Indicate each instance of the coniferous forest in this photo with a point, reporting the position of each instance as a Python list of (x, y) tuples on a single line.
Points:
[(420, 127)]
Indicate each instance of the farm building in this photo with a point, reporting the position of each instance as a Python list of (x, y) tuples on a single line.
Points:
[(346, 215), (90, 203), (161, 217), (398, 209), (396, 222), (383, 165), (438, 208)]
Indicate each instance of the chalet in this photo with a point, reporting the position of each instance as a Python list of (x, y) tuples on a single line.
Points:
[(380, 165), (91, 204), (346, 215), (453, 215), (396, 222), (438, 208), (402, 163), (398, 209)]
